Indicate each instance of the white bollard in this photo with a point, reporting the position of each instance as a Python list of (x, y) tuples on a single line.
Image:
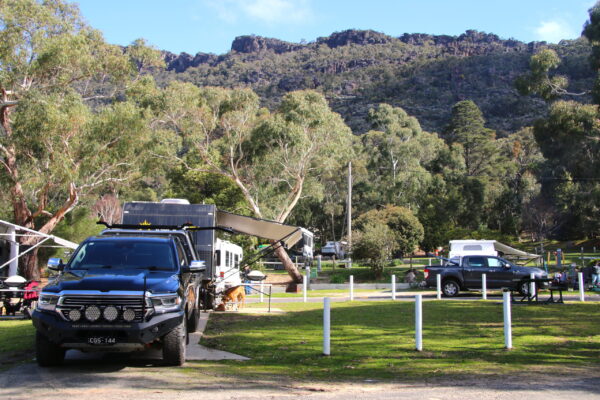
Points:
[(326, 326), (419, 322), (532, 286), (319, 263), (262, 295), (581, 287), (393, 287), (484, 287), (430, 262), (307, 272), (351, 287), (438, 286), (304, 285), (507, 321)]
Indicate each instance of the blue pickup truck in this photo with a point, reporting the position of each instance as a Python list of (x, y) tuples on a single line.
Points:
[(465, 273), (123, 290)]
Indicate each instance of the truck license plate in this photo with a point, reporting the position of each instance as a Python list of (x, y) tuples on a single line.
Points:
[(102, 340)]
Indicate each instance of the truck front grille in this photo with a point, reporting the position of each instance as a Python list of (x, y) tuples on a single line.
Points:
[(121, 303)]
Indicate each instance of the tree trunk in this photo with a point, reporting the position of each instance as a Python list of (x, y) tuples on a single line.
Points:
[(289, 266), (28, 265)]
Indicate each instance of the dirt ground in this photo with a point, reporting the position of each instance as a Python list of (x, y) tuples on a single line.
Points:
[(122, 377)]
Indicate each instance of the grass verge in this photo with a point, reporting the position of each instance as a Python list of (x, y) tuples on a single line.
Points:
[(16, 342), (376, 341)]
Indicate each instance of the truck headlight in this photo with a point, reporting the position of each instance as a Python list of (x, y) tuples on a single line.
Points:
[(47, 302), (167, 303)]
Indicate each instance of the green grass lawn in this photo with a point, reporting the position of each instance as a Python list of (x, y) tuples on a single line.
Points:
[(16, 342), (16, 336), (376, 340)]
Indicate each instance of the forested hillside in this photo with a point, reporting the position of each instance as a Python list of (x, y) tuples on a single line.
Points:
[(356, 70)]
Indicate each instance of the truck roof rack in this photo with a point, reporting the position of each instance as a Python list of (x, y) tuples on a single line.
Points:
[(186, 227)]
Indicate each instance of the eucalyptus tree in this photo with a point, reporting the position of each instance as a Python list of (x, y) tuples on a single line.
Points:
[(54, 147), (273, 158), (397, 153)]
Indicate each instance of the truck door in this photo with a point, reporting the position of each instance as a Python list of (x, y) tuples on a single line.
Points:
[(497, 275), (473, 268)]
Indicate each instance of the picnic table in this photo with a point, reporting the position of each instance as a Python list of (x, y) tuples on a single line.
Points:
[(530, 297)]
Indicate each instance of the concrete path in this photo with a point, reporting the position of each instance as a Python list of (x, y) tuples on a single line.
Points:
[(197, 352)]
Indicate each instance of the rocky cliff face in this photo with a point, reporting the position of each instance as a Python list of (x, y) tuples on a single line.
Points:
[(255, 44), (468, 44)]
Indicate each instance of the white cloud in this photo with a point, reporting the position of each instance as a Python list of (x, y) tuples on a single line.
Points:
[(266, 11), (554, 31)]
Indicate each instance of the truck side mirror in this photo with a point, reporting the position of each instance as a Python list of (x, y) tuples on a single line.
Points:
[(506, 265), (197, 266), (55, 264)]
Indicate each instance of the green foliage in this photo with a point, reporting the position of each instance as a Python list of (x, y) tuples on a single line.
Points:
[(406, 229), (538, 81), (374, 243)]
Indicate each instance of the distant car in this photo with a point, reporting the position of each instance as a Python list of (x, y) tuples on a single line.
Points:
[(333, 249)]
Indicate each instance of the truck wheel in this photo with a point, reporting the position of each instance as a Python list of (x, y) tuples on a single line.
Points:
[(47, 353), (174, 345), (450, 288), (523, 288)]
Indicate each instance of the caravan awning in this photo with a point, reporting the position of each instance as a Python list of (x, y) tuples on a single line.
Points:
[(8, 232), (289, 235), (509, 251)]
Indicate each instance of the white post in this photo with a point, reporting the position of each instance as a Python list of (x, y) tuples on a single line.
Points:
[(507, 321), (326, 326), (484, 286), (438, 286), (262, 296), (532, 285), (419, 322), (351, 287), (319, 263), (430, 262), (393, 287), (307, 272), (304, 284), (13, 267), (581, 287)]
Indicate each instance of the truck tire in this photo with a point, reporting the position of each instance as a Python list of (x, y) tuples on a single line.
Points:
[(450, 288), (174, 345), (47, 353), (523, 288)]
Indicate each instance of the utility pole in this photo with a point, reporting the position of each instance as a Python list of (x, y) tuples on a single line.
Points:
[(349, 207)]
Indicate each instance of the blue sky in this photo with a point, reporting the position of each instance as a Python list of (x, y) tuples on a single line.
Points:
[(211, 25)]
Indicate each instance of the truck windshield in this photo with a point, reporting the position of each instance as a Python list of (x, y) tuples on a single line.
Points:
[(131, 254)]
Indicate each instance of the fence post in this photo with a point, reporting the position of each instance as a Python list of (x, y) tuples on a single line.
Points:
[(393, 287), (507, 320), (326, 326), (581, 287), (484, 286), (438, 286), (419, 322), (351, 287), (262, 296), (304, 287), (532, 286)]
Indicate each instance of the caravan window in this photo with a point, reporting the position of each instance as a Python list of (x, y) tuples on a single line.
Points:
[(237, 261), (218, 257), (227, 259), (472, 247)]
